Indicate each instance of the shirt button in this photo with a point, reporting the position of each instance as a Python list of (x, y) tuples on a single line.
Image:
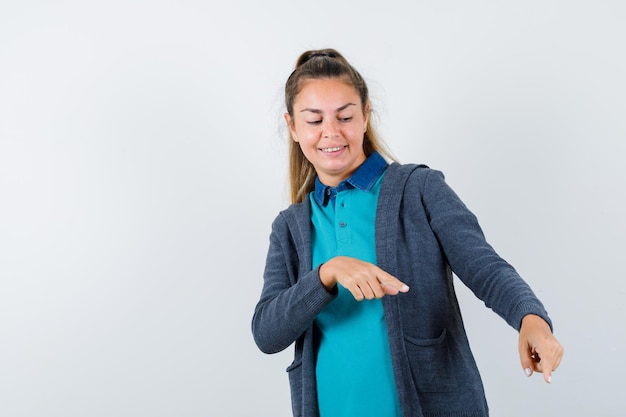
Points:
[(342, 224)]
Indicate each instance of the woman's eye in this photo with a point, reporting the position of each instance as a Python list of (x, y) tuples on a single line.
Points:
[(345, 119), (314, 122)]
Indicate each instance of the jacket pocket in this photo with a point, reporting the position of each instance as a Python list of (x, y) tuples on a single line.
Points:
[(431, 365), (294, 371)]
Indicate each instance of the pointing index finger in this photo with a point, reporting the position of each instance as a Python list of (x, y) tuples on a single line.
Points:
[(546, 363), (391, 289)]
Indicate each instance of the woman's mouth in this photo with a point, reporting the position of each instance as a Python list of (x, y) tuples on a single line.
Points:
[(330, 150)]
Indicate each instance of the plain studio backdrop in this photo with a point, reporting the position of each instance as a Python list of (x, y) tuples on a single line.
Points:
[(143, 159)]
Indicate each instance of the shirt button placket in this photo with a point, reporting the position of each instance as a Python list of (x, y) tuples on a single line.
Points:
[(342, 221)]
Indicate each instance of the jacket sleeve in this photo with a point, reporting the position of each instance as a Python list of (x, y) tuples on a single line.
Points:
[(472, 259), (289, 301)]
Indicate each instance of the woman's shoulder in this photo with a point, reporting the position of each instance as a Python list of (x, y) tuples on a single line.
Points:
[(296, 208), (412, 179), (294, 213), (398, 172), (407, 167)]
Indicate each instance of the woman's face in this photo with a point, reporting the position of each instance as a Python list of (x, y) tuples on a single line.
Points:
[(329, 123)]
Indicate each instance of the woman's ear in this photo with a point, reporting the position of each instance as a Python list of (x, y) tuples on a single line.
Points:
[(366, 115), (290, 125)]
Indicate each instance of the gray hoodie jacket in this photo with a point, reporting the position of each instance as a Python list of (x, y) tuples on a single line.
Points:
[(424, 233)]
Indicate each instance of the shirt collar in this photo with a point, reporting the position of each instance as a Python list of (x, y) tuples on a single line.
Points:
[(363, 178)]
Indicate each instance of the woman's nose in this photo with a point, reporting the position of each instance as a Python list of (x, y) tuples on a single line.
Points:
[(330, 129)]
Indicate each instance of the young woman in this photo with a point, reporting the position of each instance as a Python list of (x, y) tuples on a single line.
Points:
[(359, 269)]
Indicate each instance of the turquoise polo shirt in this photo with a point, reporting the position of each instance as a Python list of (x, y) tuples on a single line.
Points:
[(353, 369)]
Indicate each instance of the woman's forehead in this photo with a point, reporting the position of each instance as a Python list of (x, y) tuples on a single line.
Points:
[(325, 93)]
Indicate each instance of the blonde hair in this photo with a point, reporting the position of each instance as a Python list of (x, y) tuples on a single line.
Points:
[(316, 64)]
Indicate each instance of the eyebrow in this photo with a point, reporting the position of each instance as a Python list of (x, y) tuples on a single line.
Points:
[(345, 106)]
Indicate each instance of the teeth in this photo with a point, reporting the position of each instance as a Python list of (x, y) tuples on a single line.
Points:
[(338, 148)]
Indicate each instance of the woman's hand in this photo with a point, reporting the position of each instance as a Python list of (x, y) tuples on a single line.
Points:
[(538, 348), (363, 279)]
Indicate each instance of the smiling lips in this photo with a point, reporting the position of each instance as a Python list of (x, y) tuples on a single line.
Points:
[(329, 150)]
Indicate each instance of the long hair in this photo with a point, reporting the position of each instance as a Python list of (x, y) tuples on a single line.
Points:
[(316, 64)]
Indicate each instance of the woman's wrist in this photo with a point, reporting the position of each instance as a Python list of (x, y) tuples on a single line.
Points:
[(326, 276)]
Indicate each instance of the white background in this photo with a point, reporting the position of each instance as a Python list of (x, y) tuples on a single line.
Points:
[(142, 160)]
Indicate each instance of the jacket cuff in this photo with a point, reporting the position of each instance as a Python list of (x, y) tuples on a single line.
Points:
[(525, 309)]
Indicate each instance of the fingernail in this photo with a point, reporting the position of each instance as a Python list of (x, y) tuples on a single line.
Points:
[(550, 379), (528, 371), (404, 288)]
